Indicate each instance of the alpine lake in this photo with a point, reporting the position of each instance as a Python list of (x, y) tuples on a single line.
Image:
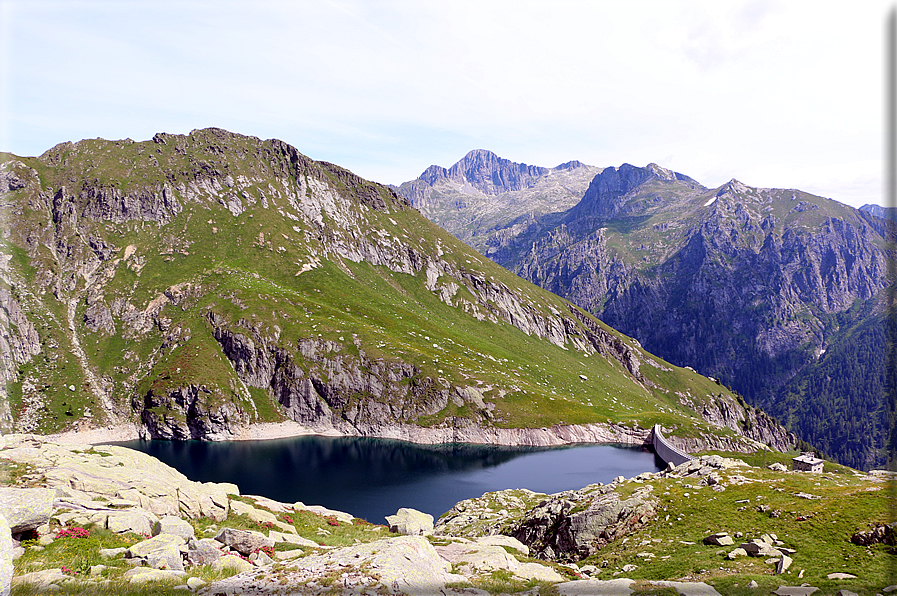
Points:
[(372, 478)]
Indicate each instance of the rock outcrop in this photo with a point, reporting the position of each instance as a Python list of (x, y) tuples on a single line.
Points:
[(576, 524), (87, 479), (567, 526)]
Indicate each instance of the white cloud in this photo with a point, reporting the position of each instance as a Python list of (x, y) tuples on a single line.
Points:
[(768, 92)]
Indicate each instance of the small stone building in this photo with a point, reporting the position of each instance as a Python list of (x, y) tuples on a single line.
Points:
[(807, 462)]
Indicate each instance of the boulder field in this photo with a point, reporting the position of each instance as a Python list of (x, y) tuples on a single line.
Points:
[(107, 520)]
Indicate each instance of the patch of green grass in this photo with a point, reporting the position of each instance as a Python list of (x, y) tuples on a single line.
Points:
[(818, 529)]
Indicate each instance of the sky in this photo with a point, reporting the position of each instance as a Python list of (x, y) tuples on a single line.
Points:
[(775, 94)]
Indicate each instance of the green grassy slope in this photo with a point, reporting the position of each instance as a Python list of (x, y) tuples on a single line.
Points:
[(137, 263)]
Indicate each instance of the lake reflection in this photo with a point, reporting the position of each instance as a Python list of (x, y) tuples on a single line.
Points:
[(372, 478)]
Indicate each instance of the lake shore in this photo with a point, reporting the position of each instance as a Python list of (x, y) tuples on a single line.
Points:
[(558, 435), (130, 432)]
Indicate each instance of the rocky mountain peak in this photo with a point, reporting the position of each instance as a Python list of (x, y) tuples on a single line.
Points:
[(570, 165), (661, 172), (487, 172), (602, 199), (734, 187)]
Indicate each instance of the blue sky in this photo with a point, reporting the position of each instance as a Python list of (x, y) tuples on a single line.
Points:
[(781, 94)]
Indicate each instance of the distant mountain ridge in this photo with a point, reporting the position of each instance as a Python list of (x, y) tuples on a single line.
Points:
[(746, 284), (477, 196), (484, 171), (879, 211)]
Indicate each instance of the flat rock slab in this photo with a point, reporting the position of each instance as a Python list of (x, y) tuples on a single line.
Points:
[(26, 508), (138, 521), (41, 578), (111, 553), (118, 474), (259, 516), (140, 575), (795, 590), (689, 588), (292, 539), (478, 557), (403, 565), (160, 542), (285, 555), (596, 587), (841, 576), (232, 562), (508, 541), (537, 572), (342, 516)]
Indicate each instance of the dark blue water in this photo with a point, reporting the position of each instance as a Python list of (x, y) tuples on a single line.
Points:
[(372, 478)]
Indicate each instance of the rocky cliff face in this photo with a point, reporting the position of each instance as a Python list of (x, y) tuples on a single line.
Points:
[(747, 284), (202, 283)]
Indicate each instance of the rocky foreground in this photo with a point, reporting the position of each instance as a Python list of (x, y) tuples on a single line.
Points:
[(109, 520)]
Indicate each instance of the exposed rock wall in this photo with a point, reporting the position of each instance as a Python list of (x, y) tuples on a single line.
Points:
[(189, 412), (19, 342)]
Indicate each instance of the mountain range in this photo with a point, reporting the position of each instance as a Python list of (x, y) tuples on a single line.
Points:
[(195, 286), (780, 294)]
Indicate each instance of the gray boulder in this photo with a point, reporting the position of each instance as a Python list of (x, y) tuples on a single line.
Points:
[(167, 557), (244, 542), (410, 522), (233, 563), (260, 559), (26, 508), (203, 552), (138, 521), (194, 583), (176, 526)]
